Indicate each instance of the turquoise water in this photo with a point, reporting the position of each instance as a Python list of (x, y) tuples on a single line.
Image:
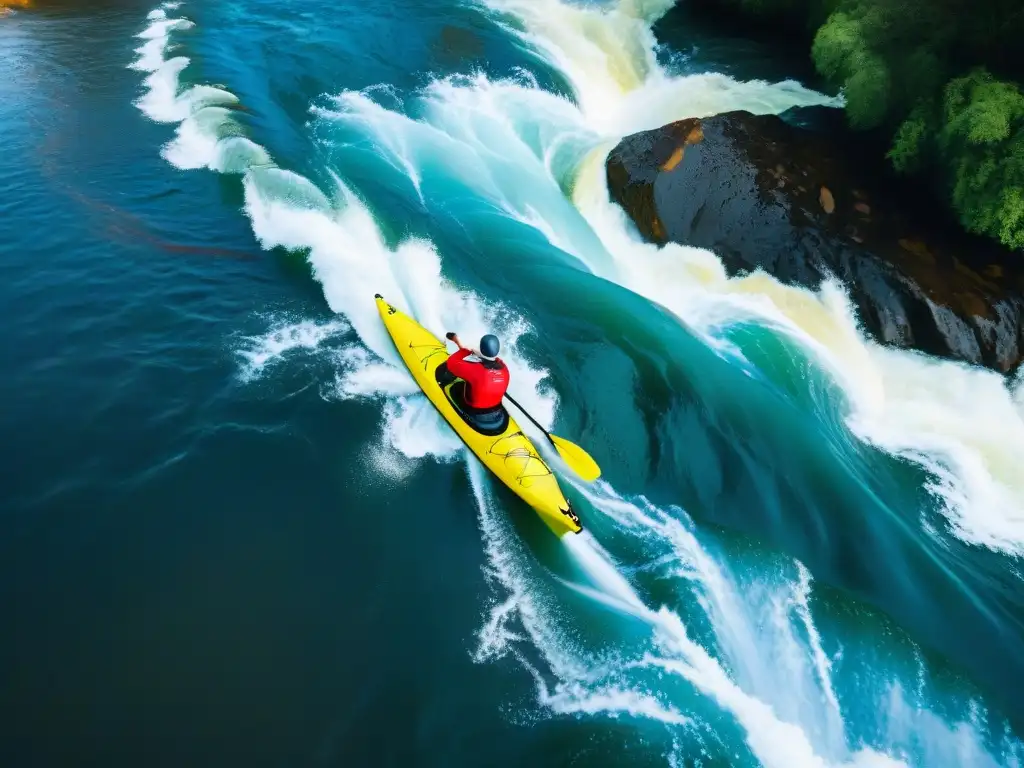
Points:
[(233, 532)]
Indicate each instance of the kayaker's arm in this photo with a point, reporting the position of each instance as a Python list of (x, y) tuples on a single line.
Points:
[(458, 366), (455, 338)]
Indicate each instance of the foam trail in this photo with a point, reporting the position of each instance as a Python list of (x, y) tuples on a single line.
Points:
[(822, 663), (582, 684), (736, 615), (592, 685), (525, 600), (776, 743), (591, 556), (915, 729), (767, 694), (262, 351)]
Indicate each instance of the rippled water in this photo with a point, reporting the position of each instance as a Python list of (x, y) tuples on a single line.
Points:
[(234, 533)]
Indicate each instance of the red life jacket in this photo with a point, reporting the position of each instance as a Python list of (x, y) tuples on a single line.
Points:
[(486, 381)]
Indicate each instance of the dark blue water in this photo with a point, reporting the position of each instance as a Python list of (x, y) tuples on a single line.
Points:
[(232, 531)]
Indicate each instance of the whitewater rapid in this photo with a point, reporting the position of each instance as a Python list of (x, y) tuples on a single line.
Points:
[(539, 158), (963, 424)]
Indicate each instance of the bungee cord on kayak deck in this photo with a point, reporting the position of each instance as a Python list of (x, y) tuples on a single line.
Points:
[(520, 453), (435, 349)]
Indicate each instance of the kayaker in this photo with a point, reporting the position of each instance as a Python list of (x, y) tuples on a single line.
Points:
[(486, 377)]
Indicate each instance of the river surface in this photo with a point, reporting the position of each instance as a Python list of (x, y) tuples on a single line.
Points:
[(233, 533)]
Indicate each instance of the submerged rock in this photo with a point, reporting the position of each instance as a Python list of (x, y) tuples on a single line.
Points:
[(763, 193)]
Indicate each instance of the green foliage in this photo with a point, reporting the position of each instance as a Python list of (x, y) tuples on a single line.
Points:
[(911, 144), (917, 70), (842, 53), (836, 43), (867, 93), (981, 109), (982, 144)]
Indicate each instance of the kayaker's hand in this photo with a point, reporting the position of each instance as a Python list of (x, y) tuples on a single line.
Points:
[(454, 337)]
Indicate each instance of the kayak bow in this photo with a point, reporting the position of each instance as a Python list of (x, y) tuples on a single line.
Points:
[(506, 452)]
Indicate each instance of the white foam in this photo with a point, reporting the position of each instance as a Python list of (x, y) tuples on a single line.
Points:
[(417, 430), (608, 55), (260, 352), (822, 663), (389, 463), (152, 53), (207, 136), (162, 101), (916, 730), (776, 743), (361, 374), (610, 702), (962, 424), (523, 600), (203, 141), (582, 684), (601, 567), (769, 665), (352, 262)]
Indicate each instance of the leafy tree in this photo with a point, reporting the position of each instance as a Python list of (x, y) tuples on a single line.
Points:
[(922, 71), (982, 143), (911, 145)]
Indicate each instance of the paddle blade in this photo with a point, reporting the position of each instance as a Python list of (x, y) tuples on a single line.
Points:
[(577, 459)]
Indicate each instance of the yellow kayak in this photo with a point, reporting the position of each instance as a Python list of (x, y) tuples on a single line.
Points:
[(503, 448)]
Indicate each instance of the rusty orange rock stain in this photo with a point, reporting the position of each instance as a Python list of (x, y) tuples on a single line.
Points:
[(695, 136), (673, 159), (828, 203)]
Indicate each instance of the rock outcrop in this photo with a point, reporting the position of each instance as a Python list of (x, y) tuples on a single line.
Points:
[(763, 193)]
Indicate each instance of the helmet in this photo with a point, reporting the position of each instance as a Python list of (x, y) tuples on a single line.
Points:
[(489, 346)]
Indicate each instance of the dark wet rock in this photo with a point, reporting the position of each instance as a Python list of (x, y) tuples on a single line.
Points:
[(761, 192)]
